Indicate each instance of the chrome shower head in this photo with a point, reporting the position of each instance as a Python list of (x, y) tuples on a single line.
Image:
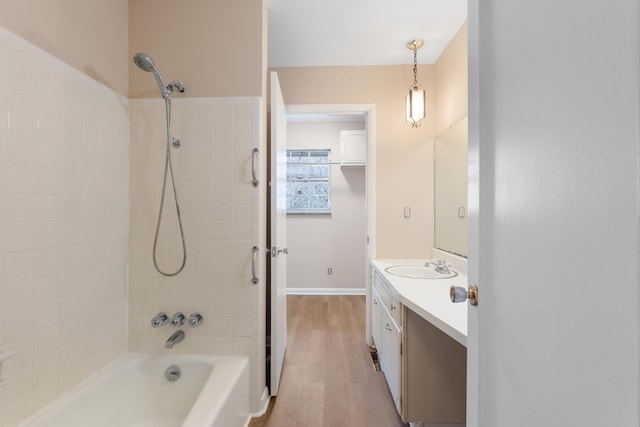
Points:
[(145, 63)]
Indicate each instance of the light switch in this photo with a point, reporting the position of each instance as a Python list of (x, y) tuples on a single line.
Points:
[(407, 212)]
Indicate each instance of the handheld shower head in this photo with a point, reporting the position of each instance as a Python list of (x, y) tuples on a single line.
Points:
[(145, 63)]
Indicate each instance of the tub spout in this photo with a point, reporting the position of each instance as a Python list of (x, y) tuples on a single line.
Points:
[(174, 339)]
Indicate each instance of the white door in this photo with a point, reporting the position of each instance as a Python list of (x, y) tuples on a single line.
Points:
[(554, 118), (278, 232)]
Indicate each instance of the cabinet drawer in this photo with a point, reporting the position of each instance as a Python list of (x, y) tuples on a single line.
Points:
[(389, 301)]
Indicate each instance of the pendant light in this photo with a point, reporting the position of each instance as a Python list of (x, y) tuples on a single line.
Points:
[(416, 95)]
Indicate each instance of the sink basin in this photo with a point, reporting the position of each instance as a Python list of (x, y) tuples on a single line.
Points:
[(419, 272)]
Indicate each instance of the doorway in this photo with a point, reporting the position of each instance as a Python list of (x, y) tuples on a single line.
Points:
[(366, 111)]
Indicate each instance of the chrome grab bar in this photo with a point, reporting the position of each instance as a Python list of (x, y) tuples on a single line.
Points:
[(254, 155), (254, 275)]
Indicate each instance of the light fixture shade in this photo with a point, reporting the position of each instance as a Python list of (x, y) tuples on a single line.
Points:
[(415, 106)]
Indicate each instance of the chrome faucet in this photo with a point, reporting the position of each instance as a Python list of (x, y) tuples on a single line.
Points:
[(442, 267), (174, 339)]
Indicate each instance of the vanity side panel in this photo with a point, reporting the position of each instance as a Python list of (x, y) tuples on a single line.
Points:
[(434, 374)]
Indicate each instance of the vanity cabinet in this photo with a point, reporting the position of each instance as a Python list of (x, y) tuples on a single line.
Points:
[(390, 361), (424, 367), (387, 335), (434, 374), (376, 319)]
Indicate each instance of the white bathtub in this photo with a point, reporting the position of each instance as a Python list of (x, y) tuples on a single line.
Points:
[(133, 392)]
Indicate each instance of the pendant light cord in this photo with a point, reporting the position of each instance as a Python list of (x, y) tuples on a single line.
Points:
[(415, 68)]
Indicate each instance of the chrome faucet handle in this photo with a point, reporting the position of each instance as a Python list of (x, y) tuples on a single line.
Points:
[(160, 319), (178, 319), (195, 319), (440, 263), (442, 267)]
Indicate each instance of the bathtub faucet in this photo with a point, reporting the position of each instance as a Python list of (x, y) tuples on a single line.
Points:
[(174, 339)]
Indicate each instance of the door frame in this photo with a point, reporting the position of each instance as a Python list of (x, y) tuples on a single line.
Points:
[(370, 178)]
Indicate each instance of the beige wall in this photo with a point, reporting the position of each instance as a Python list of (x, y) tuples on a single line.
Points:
[(451, 75), (218, 48), (404, 155), (91, 36), (214, 47)]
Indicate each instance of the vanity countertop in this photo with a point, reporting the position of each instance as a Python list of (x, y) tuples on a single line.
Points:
[(429, 298)]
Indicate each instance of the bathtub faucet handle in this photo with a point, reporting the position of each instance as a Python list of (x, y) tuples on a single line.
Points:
[(160, 319), (195, 319), (178, 319)]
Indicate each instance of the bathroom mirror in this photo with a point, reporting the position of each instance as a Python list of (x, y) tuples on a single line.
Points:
[(450, 149)]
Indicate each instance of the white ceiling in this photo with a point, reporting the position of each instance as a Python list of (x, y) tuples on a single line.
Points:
[(360, 32)]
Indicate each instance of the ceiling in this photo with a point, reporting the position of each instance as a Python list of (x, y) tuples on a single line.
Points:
[(306, 33)]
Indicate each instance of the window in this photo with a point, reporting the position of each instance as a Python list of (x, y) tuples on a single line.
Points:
[(309, 181)]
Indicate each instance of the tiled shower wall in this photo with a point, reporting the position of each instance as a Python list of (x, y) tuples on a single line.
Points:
[(219, 208), (64, 223)]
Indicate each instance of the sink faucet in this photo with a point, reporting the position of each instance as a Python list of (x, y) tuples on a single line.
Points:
[(441, 267), (174, 339)]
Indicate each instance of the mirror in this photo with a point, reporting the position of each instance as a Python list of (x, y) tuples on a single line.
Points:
[(451, 189)]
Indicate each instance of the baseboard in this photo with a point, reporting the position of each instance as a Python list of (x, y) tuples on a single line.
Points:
[(326, 291)]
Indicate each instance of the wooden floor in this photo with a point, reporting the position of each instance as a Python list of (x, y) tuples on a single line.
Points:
[(328, 377)]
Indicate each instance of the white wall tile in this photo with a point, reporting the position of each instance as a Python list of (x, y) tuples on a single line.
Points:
[(4, 114), (56, 164), (219, 224), (23, 120)]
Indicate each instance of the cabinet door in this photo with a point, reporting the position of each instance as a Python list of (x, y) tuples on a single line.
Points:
[(376, 319), (390, 360), (435, 374)]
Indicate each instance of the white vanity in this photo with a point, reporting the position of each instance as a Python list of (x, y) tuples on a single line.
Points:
[(420, 337)]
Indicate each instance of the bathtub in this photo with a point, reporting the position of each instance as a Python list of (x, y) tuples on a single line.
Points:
[(212, 391)]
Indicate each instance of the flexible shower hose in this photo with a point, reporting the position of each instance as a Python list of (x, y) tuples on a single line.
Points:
[(168, 166)]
